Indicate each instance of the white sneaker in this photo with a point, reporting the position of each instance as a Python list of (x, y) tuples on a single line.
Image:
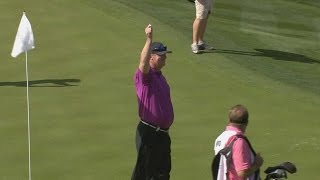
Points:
[(195, 48), (204, 46)]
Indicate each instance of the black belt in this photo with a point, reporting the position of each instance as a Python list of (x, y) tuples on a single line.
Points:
[(157, 128)]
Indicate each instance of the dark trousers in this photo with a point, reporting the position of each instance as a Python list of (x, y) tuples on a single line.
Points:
[(154, 158)]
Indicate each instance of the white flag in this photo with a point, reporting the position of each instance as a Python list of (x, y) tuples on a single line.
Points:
[(24, 39)]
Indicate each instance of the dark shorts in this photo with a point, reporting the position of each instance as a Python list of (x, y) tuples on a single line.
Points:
[(154, 154)]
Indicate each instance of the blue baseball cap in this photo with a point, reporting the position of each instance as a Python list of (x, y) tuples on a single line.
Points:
[(159, 48)]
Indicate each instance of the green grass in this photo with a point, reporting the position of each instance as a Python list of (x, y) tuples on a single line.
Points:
[(83, 104)]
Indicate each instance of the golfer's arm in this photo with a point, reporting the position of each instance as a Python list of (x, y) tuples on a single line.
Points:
[(202, 1), (145, 56), (247, 172)]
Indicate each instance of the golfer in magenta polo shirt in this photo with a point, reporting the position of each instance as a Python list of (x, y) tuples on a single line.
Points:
[(155, 111)]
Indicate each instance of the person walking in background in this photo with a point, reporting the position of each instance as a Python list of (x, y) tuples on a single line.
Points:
[(156, 114), (203, 9), (244, 163)]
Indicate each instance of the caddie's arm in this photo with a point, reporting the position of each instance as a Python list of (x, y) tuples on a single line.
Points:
[(258, 161), (145, 56)]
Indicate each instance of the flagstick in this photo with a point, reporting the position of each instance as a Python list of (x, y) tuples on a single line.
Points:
[(29, 136), (24, 42)]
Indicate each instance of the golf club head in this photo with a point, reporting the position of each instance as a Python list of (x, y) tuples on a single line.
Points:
[(288, 166), (277, 174)]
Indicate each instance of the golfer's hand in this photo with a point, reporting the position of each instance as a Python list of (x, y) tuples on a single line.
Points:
[(258, 160), (148, 31)]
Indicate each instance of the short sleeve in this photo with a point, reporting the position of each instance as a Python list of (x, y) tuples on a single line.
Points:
[(141, 78), (241, 155)]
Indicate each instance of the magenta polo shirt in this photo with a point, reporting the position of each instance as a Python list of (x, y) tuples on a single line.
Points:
[(242, 157), (154, 99)]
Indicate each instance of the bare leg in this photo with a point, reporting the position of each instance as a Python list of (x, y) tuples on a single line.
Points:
[(202, 29), (199, 27), (196, 31), (201, 44)]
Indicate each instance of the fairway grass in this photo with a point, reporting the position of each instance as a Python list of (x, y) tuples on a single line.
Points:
[(82, 99)]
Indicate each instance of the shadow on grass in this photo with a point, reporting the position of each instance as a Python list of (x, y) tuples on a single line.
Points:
[(43, 83), (274, 54)]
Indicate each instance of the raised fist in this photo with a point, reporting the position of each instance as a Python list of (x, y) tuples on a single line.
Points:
[(148, 31)]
